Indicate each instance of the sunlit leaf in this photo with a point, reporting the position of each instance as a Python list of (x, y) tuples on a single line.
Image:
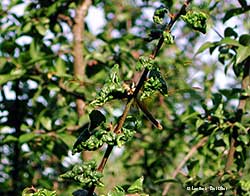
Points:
[(67, 139), (10, 139), (60, 67), (13, 75), (196, 20), (204, 47), (228, 41), (137, 186), (242, 53), (46, 122), (41, 29), (159, 15), (24, 138)]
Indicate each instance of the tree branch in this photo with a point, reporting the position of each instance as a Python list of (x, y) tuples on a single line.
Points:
[(79, 62), (182, 163), (65, 18), (137, 89), (245, 84), (174, 18), (147, 113)]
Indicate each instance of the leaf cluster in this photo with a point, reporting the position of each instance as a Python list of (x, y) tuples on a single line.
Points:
[(85, 174), (196, 20), (112, 88)]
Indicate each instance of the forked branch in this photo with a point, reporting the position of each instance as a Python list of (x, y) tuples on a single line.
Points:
[(138, 88)]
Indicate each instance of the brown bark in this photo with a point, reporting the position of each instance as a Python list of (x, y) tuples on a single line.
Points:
[(245, 84), (79, 62)]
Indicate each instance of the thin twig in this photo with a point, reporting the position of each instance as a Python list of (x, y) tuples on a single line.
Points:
[(182, 163), (116, 130), (66, 18), (170, 25), (155, 122)]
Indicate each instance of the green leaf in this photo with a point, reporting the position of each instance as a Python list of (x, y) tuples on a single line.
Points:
[(188, 116), (159, 15), (156, 74), (85, 134), (60, 68), (205, 46), (111, 87), (244, 40), (244, 139), (34, 50), (53, 87), (234, 12), (237, 68), (85, 174), (52, 9), (168, 38), (72, 85), (9, 139), (171, 180), (13, 75), (150, 87), (137, 186), (41, 29), (193, 167), (154, 83), (241, 127), (24, 138), (145, 62), (229, 31), (44, 192), (96, 119), (116, 193), (109, 138), (228, 41), (245, 185), (199, 123), (196, 20), (239, 149), (28, 191), (67, 139), (242, 53), (57, 28), (89, 140), (231, 93), (46, 122), (27, 27)]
